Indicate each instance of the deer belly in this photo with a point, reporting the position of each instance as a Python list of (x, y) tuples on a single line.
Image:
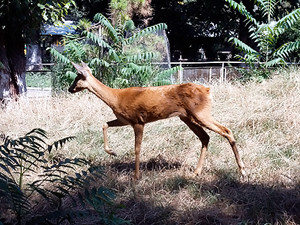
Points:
[(146, 117)]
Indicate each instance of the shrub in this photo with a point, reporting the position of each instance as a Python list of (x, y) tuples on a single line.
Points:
[(120, 55), (266, 33), (29, 167)]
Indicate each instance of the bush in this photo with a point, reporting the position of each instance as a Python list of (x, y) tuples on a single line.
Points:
[(31, 169), (266, 32), (120, 55), (257, 74), (38, 79)]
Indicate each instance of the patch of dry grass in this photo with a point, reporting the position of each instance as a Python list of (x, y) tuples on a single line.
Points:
[(264, 118)]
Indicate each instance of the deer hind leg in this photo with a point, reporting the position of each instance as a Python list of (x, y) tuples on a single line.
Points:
[(204, 138), (215, 126), (138, 133), (113, 123)]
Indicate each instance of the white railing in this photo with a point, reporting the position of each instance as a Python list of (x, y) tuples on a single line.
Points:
[(210, 65)]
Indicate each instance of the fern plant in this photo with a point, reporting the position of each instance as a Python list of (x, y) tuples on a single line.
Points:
[(27, 170), (266, 34), (116, 54)]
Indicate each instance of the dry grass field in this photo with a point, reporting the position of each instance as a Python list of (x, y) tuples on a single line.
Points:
[(264, 118)]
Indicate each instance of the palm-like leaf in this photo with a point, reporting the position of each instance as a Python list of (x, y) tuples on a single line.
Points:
[(165, 74), (267, 7), (242, 9), (146, 31), (142, 57), (59, 56), (107, 26), (274, 62), (99, 62), (287, 21), (242, 46), (287, 48), (120, 52), (96, 39)]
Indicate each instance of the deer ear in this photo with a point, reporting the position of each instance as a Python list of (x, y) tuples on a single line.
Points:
[(84, 65), (77, 67)]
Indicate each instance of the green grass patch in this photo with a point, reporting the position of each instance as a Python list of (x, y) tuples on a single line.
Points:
[(38, 79)]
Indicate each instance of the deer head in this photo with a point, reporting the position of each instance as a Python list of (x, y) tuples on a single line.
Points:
[(81, 81)]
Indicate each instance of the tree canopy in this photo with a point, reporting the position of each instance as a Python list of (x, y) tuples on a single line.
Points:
[(265, 33), (19, 23)]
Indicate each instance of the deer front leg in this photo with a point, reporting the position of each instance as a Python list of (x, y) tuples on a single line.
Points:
[(113, 123), (138, 133)]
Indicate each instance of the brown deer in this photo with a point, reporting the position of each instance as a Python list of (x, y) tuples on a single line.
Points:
[(137, 106)]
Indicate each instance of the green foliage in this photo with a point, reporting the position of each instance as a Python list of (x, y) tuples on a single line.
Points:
[(266, 34), (55, 11), (28, 15), (120, 56), (291, 35), (38, 79), (29, 167), (123, 10), (256, 74)]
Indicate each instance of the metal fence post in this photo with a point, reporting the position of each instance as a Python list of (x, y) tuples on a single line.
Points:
[(180, 72)]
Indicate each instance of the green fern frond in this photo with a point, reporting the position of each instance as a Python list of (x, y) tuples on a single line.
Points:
[(275, 62), (59, 143), (77, 49), (113, 55), (242, 10), (249, 59), (99, 62), (146, 31), (59, 56), (268, 7), (142, 57), (286, 49), (132, 68), (128, 26), (38, 131), (96, 39), (71, 75), (107, 26), (287, 21), (265, 29), (242, 46), (168, 72)]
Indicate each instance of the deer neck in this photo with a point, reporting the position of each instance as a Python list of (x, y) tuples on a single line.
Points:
[(105, 93)]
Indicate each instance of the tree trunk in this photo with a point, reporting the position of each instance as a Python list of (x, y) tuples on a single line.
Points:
[(12, 63)]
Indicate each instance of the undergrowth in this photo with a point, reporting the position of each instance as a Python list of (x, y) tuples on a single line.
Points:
[(32, 171)]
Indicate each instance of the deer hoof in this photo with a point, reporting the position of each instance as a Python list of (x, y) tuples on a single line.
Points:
[(243, 175), (197, 172), (110, 152), (137, 177)]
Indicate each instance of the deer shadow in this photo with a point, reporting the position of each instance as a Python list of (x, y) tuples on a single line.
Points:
[(154, 164)]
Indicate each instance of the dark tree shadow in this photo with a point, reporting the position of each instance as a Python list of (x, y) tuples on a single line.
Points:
[(261, 203), (235, 202)]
